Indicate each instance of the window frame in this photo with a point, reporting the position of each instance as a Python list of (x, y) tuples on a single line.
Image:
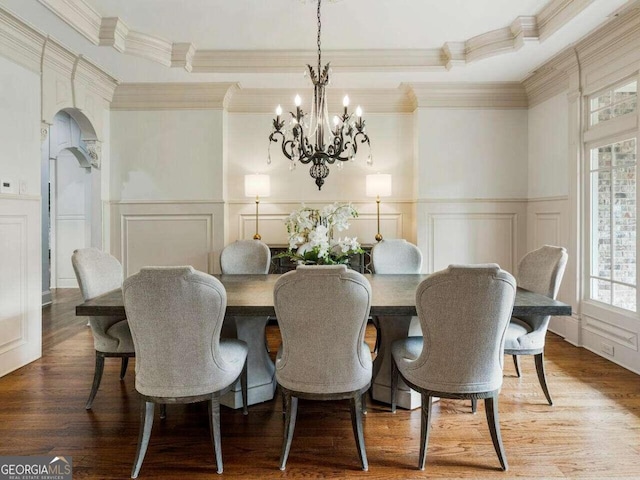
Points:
[(610, 88)]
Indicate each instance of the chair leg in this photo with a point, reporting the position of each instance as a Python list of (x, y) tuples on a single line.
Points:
[(243, 387), (474, 405), (163, 411), (123, 367), (214, 425), (539, 358), (356, 422), (516, 363), (97, 377), (363, 400), (291, 412), (146, 423), (394, 384), (425, 429), (491, 408)]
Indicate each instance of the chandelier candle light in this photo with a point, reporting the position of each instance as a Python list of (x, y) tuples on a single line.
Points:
[(378, 185), (257, 186), (343, 136)]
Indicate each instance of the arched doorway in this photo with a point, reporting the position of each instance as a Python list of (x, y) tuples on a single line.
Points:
[(71, 206)]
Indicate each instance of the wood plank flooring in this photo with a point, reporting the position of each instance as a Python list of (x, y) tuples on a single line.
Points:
[(592, 431)]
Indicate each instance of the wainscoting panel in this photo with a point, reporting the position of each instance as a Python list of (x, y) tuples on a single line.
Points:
[(20, 282), (167, 233), (547, 228), (13, 298)]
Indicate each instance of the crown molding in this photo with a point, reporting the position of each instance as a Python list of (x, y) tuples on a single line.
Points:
[(58, 58), (558, 13), (149, 47), (273, 61), (182, 55), (79, 15), (469, 95), (172, 96), (114, 32), (95, 79), (550, 79), (20, 42), (373, 100)]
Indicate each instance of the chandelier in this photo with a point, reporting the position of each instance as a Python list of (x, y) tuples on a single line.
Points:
[(303, 137)]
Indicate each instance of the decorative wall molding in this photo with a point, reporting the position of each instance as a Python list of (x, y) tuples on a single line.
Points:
[(89, 75), (468, 95), (94, 149), (610, 331), (471, 200), (172, 96), (19, 42), (114, 32), (390, 100), (79, 15)]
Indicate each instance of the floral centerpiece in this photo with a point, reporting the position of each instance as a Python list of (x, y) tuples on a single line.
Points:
[(311, 235)]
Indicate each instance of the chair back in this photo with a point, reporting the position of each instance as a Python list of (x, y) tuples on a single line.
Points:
[(396, 256), (175, 315), (97, 272), (322, 313), (541, 271), (464, 312), (245, 257)]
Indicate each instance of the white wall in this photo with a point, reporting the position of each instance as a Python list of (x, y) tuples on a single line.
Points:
[(472, 153), (166, 155), (20, 280), (548, 154)]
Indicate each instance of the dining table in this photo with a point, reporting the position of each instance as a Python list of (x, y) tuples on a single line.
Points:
[(393, 302)]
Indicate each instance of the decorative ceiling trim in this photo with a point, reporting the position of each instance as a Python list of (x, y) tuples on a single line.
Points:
[(379, 100), (95, 79), (79, 15), (469, 95), (172, 96), (19, 42), (114, 32), (551, 78)]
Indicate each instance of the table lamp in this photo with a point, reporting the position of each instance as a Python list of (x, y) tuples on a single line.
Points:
[(379, 185), (257, 186)]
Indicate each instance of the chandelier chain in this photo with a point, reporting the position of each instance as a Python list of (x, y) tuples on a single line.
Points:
[(319, 28)]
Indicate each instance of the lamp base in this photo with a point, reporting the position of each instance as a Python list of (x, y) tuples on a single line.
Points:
[(378, 237), (257, 237)]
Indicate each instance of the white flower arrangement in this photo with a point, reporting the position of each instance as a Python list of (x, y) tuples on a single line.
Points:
[(311, 234)]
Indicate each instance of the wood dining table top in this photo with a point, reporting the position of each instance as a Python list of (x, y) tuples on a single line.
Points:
[(252, 295)]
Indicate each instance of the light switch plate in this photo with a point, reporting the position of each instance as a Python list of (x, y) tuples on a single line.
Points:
[(7, 186)]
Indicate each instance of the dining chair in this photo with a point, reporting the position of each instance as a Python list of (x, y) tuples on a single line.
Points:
[(464, 312), (539, 271), (392, 257), (322, 311), (98, 272), (176, 314), (246, 257)]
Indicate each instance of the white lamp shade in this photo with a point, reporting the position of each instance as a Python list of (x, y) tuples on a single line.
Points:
[(257, 185), (379, 185)]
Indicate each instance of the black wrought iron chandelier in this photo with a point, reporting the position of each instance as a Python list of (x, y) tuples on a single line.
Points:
[(342, 142)]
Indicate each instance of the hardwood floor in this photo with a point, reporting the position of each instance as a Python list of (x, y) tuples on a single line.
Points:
[(592, 431)]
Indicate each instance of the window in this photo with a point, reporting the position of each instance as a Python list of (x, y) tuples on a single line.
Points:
[(613, 180), (614, 102)]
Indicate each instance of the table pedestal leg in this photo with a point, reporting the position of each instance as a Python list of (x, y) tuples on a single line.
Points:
[(261, 380), (392, 329)]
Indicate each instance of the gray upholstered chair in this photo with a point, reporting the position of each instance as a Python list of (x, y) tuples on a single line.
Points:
[(98, 272), (464, 312), (322, 312), (245, 257), (250, 257), (539, 271), (393, 257), (176, 314)]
